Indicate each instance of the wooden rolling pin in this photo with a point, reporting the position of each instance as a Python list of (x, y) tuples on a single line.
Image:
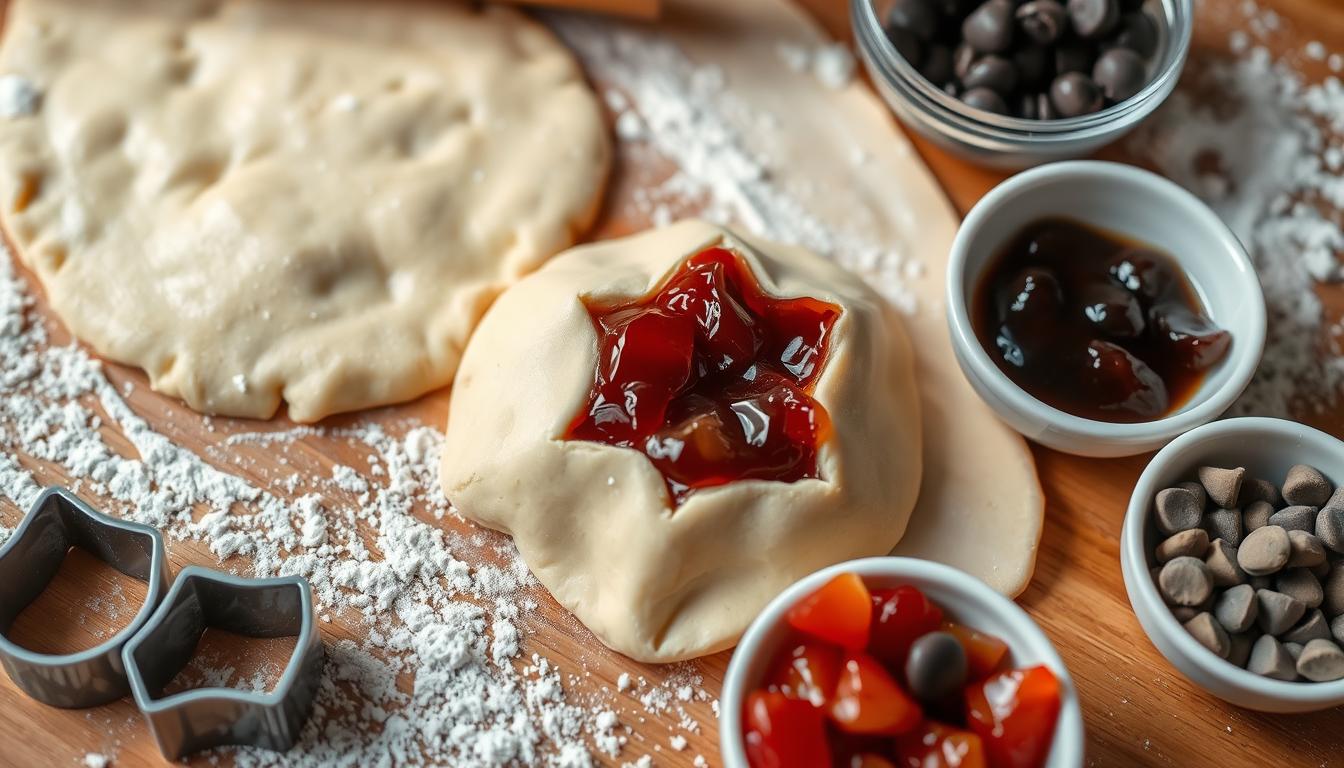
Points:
[(643, 9)]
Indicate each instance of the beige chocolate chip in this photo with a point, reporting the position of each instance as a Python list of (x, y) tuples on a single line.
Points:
[(1253, 489), (1184, 613), (1301, 585), (1209, 633), (1198, 490), (1191, 543), (1306, 551), (1295, 519), (1176, 510), (1320, 570), (1236, 608), (1264, 551), (1311, 627), (1333, 604), (1277, 612), (1330, 522), (1321, 661), (1222, 485), (1306, 486), (1293, 649), (1256, 515), (1268, 658), (1223, 524), (1221, 561), (1185, 581), (1337, 628), (1240, 647)]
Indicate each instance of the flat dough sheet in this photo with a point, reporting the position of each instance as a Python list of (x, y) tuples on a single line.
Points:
[(981, 508)]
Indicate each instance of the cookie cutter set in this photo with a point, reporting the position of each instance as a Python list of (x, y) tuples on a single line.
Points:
[(162, 637)]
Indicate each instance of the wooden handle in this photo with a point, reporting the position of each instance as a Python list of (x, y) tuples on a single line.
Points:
[(643, 9)]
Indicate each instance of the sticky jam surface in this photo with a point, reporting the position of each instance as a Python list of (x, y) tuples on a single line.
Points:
[(710, 378)]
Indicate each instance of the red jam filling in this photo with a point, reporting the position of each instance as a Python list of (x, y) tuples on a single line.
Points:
[(710, 378)]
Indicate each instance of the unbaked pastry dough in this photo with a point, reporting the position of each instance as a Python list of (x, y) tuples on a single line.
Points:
[(594, 522), (309, 200)]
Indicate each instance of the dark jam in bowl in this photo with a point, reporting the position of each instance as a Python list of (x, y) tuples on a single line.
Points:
[(1094, 323)]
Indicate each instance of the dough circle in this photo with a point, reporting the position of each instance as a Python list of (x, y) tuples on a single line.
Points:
[(308, 201), (594, 522)]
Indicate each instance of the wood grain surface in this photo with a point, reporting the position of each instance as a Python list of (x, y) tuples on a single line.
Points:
[(1139, 711)]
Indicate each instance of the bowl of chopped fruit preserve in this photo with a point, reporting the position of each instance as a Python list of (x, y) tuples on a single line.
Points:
[(892, 661)]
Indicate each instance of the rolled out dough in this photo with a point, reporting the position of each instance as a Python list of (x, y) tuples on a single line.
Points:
[(310, 201)]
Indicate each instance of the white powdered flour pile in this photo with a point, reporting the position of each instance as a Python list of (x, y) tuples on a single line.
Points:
[(1266, 151)]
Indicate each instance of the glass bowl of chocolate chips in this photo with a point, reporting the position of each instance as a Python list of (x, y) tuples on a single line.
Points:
[(1015, 83)]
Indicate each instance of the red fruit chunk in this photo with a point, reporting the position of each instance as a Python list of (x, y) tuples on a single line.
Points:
[(781, 732), (984, 653), (1197, 341), (869, 760), (838, 612), (725, 330), (900, 617), (868, 700), (810, 672), (1014, 713), (934, 745)]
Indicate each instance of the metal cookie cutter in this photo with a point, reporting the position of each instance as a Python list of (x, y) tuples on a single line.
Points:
[(57, 521), (209, 717)]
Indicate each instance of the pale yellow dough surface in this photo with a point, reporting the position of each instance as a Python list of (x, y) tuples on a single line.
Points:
[(309, 201), (594, 522)]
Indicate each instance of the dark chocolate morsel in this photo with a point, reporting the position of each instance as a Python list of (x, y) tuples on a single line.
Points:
[(986, 99), (989, 28), (993, 72), (1044, 109), (906, 44), (1073, 57), (918, 16), (962, 59), (1034, 68), (1137, 32), (1074, 94), (1093, 19), (1042, 21), (937, 66), (1120, 73), (1028, 108)]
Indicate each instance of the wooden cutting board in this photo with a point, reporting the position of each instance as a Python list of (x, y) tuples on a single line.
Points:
[(1138, 709)]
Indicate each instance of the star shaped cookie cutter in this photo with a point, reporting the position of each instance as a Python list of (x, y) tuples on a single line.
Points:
[(57, 521), (207, 717)]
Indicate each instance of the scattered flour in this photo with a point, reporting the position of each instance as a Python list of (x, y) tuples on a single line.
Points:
[(18, 97), (96, 760)]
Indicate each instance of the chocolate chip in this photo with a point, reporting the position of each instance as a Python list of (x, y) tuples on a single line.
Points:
[(1261, 582), (1033, 66), (1196, 489), (989, 28), (1240, 650), (1301, 585), (1306, 486), (1236, 608), (1224, 524), (1266, 550), (1333, 588), (1121, 73), (1256, 515), (1255, 489), (1044, 109), (1277, 612), (937, 66), (1138, 33), (918, 16), (993, 72), (1176, 510), (1321, 661), (1293, 649), (986, 99), (1330, 522), (1093, 18), (936, 666), (1184, 613), (1043, 21), (1185, 581), (1191, 543), (1337, 628), (907, 45), (1221, 561), (963, 56), (1307, 551), (1268, 658), (1321, 570), (1222, 485), (1311, 627), (1295, 519), (1209, 633)]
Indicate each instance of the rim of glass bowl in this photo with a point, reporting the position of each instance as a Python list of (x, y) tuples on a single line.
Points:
[(952, 113)]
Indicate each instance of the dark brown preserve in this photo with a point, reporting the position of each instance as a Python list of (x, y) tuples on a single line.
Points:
[(1095, 324)]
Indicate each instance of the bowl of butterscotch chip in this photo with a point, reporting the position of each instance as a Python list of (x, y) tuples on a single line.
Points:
[(1233, 558)]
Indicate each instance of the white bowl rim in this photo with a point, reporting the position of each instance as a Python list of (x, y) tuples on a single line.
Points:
[(1069, 741), (1132, 549), (1245, 354)]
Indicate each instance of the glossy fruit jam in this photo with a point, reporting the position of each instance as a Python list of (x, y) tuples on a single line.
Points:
[(711, 378), (1095, 324), (880, 678)]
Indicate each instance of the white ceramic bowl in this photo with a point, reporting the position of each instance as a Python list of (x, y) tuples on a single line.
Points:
[(1148, 208), (1266, 448), (962, 597)]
